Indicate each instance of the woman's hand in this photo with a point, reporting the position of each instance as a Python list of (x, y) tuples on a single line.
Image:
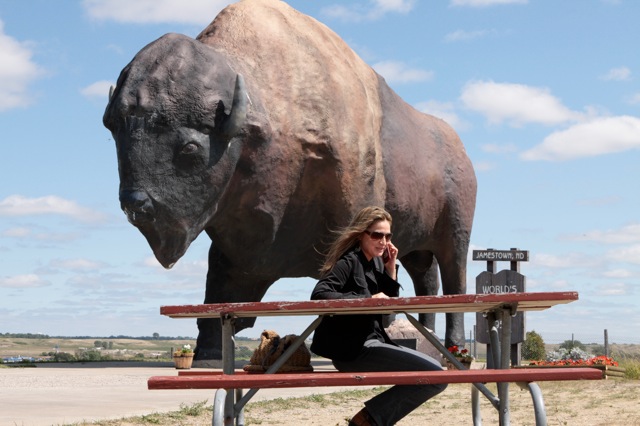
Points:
[(390, 264), (380, 295)]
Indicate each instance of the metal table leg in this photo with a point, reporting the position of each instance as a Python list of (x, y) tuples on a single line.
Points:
[(538, 404), (228, 365), (475, 406), (218, 407), (505, 364)]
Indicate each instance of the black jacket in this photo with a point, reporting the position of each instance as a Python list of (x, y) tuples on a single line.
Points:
[(341, 337)]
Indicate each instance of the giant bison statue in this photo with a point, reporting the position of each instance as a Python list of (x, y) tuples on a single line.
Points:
[(267, 131)]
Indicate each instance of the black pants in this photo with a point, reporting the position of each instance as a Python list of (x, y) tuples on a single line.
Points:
[(395, 403)]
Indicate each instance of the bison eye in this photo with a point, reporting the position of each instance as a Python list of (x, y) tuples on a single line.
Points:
[(190, 157), (190, 148)]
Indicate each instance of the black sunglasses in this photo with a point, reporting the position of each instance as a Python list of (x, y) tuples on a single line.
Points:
[(379, 235)]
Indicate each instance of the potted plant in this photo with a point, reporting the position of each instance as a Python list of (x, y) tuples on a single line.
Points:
[(461, 355), (183, 358)]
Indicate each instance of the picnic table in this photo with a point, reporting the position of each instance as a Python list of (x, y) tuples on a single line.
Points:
[(498, 310)]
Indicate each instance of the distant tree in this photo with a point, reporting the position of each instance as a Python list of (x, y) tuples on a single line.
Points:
[(109, 345), (97, 344), (156, 336), (88, 355), (63, 357), (570, 344), (533, 347)]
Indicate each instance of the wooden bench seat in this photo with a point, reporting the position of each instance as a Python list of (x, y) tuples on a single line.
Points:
[(217, 380)]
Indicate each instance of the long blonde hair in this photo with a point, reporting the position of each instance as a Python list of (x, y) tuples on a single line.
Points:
[(349, 237)]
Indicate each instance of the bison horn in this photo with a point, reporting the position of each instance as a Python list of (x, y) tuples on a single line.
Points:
[(111, 90), (238, 114)]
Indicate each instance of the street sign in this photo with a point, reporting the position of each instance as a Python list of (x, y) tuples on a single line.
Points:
[(505, 281), (501, 255)]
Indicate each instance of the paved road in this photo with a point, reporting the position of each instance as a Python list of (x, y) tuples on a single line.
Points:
[(58, 394)]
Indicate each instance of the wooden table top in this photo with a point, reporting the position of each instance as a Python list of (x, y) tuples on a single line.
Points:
[(419, 304)]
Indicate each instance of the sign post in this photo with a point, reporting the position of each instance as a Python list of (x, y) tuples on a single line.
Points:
[(505, 281)]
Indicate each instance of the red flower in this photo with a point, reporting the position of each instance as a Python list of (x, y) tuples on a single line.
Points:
[(598, 360)]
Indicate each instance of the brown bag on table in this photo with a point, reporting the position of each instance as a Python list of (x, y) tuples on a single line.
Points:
[(271, 347)]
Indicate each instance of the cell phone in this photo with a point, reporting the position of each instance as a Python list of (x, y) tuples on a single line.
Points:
[(385, 255)]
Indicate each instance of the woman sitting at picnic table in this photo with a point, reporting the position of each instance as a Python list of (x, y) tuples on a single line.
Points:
[(354, 268)]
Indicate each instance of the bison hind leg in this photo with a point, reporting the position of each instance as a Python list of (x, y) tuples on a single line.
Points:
[(422, 267)]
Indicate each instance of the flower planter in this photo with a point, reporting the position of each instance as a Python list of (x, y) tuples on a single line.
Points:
[(608, 370), (467, 365), (183, 361), (462, 355)]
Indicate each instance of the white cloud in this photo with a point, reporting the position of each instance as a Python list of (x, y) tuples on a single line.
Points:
[(617, 273), (625, 235), (17, 205), (398, 72), (483, 166), (462, 35), (634, 99), (99, 89), (30, 235), (344, 13), (599, 136), (614, 289), (400, 6), (499, 149), (23, 281), (16, 232), (199, 12), (485, 3), (564, 261), (629, 254), (515, 103), (442, 110), (609, 200), (360, 12), (617, 74), (76, 264), (16, 73)]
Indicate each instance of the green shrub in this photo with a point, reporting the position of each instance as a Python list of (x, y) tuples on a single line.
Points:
[(533, 347), (571, 344), (631, 368)]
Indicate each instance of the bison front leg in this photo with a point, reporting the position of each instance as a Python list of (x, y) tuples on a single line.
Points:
[(226, 283)]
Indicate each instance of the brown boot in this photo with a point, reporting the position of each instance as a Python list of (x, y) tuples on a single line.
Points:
[(362, 418)]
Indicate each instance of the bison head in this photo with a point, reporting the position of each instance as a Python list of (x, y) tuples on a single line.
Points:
[(176, 115)]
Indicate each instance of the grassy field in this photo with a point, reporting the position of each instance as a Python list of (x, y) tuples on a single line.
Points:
[(119, 349), (152, 349), (10, 346)]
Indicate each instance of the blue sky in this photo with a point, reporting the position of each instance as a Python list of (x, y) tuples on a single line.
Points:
[(545, 96)]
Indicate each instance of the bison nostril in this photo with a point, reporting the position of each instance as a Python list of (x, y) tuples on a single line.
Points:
[(137, 206)]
